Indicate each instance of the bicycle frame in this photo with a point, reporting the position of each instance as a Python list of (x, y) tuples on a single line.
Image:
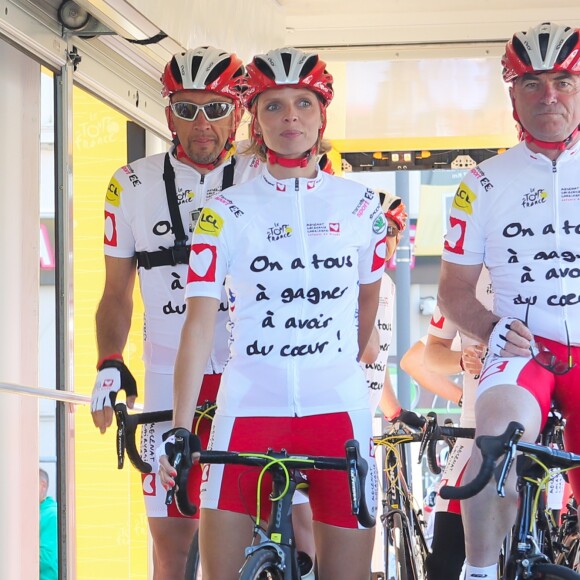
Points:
[(279, 535), (526, 542), (398, 499)]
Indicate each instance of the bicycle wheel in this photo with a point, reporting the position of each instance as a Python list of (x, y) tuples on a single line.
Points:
[(192, 566), (398, 553), (553, 572), (262, 565)]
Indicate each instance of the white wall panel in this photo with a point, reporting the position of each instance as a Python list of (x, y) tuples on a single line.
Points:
[(19, 263), (246, 27)]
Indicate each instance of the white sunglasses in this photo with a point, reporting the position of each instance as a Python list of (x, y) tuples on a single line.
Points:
[(213, 111)]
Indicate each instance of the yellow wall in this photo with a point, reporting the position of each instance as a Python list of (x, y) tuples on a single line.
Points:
[(111, 526)]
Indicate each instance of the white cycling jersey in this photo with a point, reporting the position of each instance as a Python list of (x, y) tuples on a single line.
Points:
[(293, 253), (519, 214), (137, 220), (375, 372), (442, 327)]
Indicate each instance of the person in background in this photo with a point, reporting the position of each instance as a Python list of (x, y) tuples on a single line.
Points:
[(447, 556), (376, 354), (152, 207), (413, 363), (48, 540)]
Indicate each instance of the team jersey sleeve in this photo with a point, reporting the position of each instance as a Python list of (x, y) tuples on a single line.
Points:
[(208, 260), (119, 239), (442, 327), (373, 252), (464, 240)]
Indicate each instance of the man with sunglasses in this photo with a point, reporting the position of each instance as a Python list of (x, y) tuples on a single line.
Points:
[(520, 213), (152, 206)]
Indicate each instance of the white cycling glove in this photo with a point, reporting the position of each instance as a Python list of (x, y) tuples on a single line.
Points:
[(498, 337), (113, 375)]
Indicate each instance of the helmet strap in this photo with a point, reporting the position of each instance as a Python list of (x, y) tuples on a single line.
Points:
[(529, 138), (556, 145), (302, 161)]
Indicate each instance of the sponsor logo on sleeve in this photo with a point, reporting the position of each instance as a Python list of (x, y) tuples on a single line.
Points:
[(114, 193), (380, 224), (110, 229), (458, 228), (202, 263), (133, 177), (360, 207), (209, 222), (464, 199)]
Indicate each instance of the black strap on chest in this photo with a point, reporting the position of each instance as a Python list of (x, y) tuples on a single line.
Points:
[(179, 253)]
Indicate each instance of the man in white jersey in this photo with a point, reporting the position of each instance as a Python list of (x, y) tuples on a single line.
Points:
[(519, 213), (448, 547), (151, 209)]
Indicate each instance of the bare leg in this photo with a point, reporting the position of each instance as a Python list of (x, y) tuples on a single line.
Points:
[(171, 540), (343, 554), (303, 530), (487, 518), (223, 536)]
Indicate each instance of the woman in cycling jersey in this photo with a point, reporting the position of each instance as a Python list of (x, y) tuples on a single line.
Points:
[(302, 253)]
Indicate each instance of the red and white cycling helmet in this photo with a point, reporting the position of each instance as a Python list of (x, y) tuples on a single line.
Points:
[(294, 68), (546, 47), (288, 67), (206, 69), (543, 48), (394, 208)]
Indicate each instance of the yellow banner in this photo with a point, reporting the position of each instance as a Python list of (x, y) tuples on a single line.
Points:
[(111, 526)]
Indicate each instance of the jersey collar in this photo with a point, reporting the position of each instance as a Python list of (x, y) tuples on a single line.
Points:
[(293, 184)]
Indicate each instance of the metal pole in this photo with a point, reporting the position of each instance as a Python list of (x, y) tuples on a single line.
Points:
[(64, 316), (403, 284)]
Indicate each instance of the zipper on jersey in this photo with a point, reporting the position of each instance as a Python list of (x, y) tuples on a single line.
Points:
[(305, 279), (557, 197)]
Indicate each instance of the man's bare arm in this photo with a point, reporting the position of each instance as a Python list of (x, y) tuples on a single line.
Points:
[(368, 302), (113, 318), (457, 300)]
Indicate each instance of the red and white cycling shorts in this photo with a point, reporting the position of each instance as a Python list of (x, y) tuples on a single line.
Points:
[(162, 386), (545, 386), (453, 475), (234, 487)]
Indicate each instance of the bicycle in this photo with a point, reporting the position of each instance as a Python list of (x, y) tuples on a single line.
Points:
[(274, 555), (525, 551), (405, 547)]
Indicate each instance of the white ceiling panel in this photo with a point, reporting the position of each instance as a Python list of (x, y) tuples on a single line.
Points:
[(347, 25)]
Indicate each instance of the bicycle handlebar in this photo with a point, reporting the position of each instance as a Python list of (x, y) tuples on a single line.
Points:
[(428, 437), (492, 448), (355, 466), (127, 429)]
